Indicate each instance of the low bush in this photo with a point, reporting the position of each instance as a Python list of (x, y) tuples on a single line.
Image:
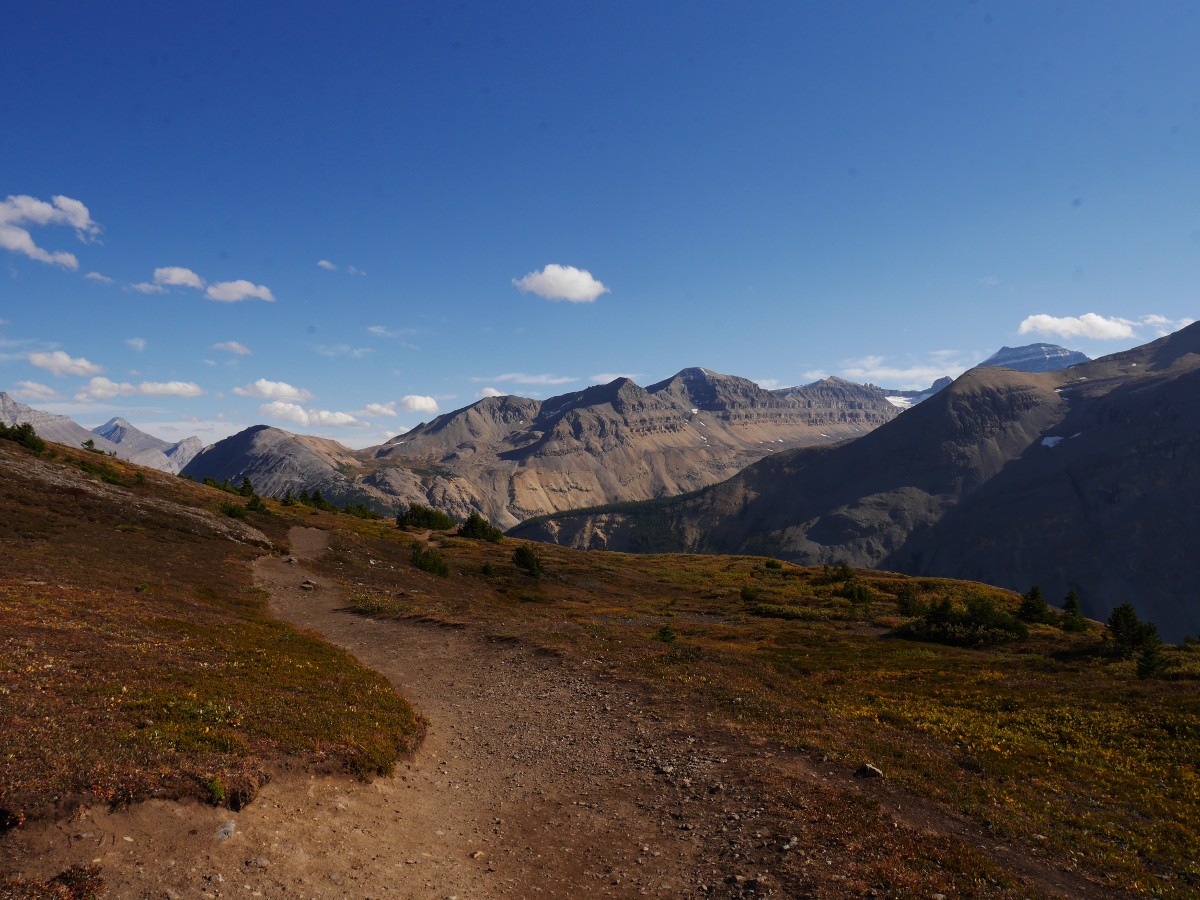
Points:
[(429, 560), (418, 516), (24, 435), (981, 623), (529, 560), (479, 528)]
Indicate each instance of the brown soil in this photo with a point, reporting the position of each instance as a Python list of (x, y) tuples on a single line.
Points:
[(538, 776)]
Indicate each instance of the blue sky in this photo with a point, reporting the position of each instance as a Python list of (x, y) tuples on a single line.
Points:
[(528, 197)]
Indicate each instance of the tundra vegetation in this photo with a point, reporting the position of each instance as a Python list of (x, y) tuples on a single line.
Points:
[(139, 627)]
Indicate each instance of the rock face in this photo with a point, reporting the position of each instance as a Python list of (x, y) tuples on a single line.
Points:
[(511, 458), (147, 450), (1085, 478), (1036, 358)]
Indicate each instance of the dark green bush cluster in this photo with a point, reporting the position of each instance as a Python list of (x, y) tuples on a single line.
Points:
[(1129, 636), (834, 574), (24, 435), (529, 560), (419, 516), (855, 591), (749, 593), (666, 635), (480, 529), (1034, 608), (98, 469), (772, 564), (429, 560), (223, 486), (981, 623), (361, 511), (232, 509)]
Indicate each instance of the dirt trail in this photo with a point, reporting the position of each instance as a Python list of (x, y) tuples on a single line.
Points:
[(538, 777)]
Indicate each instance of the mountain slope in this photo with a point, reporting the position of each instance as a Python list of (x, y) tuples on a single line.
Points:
[(1082, 478), (51, 427), (147, 450), (511, 458)]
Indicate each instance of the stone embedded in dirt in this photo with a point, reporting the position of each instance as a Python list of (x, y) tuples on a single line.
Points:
[(257, 863), (308, 585), (226, 830), (866, 770)]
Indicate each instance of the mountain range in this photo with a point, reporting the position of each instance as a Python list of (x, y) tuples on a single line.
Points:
[(512, 458), (1084, 478), (116, 436)]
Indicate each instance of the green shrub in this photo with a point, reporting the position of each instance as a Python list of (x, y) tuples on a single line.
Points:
[(1127, 633), (480, 528), (908, 603), (529, 560), (361, 511), (980, 624), (429, 560), (256, 505), (666, 635), (749, 593), (216, 791), (834, 574), (1072, 619), (24, 435), (772, 564), (855, 592), (419, 516), (233, 510)]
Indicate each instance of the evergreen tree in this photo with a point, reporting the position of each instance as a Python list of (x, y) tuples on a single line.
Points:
[(1151, 661), (1072, 614), (1127, 633), (1034, 607)]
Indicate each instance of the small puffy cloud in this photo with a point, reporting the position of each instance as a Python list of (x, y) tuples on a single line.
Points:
[(355, 270), (234, 347), (32, 391), (106, 389), (490, 392), (293, 412), (768, 384), (138, 344), (235, 291), (59, 363), (556, 282), (522, 378), (177, 276), (21, 212), (96, 276), (1089, 325), (170, 389), (274, 390), (103, 389), (418, 403), (384, 331), (145, 287), (1163, 326), (608, 377), (326, 265), (378, 409)]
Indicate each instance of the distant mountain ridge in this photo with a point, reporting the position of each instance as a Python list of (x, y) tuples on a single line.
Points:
[(116, 436), (512, 457), (1086, 478), (1036, 358)]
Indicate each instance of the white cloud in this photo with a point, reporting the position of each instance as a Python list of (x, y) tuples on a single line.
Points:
[(234, 291), (327, 265), (768, 384), (96, 276), (135, 343), (355, 270), (1163, 326), (344, 350), (490, 392), (378, 409), (105, 389), (60, 364), (384, 331), (816, 375), (522, 378), (418, 403), (170, 389), (145, 287), (32, 391), (274, 390), (234, 347), (292, 412), (1089, 325), (608, 377), (177, 276), (19, 212), (914, 376), (556, 282)]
